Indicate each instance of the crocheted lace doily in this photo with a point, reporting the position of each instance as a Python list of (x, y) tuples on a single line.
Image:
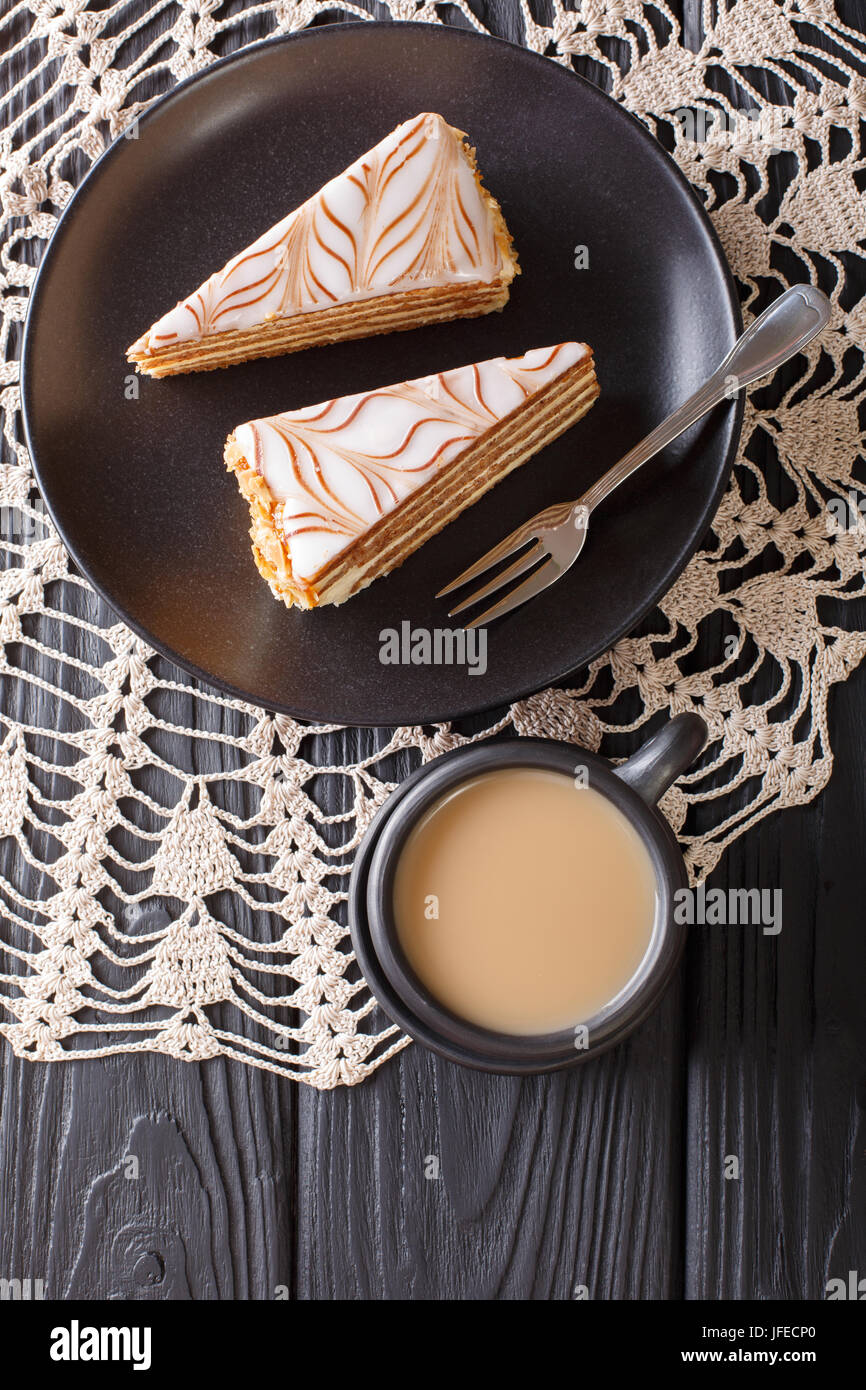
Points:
[(126, 820)]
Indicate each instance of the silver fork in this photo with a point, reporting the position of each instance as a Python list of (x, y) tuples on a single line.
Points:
[(556, 535)]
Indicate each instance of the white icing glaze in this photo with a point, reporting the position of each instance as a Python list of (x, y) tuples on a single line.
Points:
[(335, 469), (408, 214)]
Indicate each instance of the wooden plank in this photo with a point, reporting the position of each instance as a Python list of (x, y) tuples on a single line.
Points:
[(777, 1054), (776, 1028), (141, 1177), (433, 1182)]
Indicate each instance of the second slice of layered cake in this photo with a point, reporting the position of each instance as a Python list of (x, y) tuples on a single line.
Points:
[(342, 492)]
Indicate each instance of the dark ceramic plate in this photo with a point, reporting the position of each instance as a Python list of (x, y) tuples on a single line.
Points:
[(137, 488)]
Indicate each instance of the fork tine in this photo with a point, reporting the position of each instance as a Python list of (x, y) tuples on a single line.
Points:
[(543, 577), (526, 562), (522, 536)]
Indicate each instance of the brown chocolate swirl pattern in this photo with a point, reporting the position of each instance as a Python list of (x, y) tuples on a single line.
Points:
[(334, 469), (410, 213)]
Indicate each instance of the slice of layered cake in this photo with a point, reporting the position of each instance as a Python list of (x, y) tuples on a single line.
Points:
[(343, 492), (406, 236)]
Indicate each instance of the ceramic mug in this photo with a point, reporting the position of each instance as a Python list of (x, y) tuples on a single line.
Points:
[(634, 788)]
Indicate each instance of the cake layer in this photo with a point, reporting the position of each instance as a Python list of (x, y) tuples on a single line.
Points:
[(389, 314), (411, 215), (436, 505), (341, 493)]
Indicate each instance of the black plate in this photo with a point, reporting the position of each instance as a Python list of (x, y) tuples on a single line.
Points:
[(137, 488)]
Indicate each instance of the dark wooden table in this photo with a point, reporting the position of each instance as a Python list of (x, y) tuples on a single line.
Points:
[(610, 1179)]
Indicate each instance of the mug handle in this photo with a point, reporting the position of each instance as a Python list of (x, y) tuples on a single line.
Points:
[(661, 760)]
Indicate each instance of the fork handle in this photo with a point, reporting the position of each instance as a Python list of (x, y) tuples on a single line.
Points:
[(783, 330)]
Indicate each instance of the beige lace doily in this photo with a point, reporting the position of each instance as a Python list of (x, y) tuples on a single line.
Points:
[(125, 812)]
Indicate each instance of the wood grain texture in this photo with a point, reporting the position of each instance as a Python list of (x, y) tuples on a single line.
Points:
[(144, 1178), (434, 1183), (141, 1177), (775, 1027), (777, 1053)]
